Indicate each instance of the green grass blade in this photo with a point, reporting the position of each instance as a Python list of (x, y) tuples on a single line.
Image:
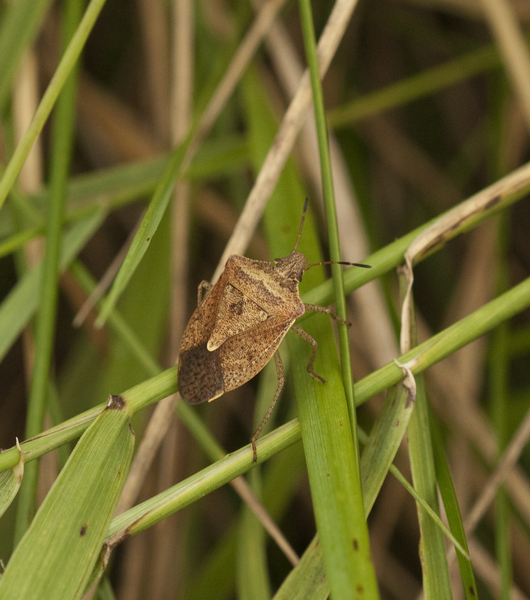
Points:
[(418, 86), (252, 572), (339, 556), (50, 96), (148, 227), (63, 125), (20, 23), (21, 303), (436, 583), (307, 581), (323, 410), (384, 440), (425, 355), (10, 481), (452, 510), (55, 557)]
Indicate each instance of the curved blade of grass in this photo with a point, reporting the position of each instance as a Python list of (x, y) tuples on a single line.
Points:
[(384, 440), (498, 196), (10, 481), (50, 96), (418, 86), (148, 226), (435, 570), (22, 301), (452, 510), (56, 555), (116, 186), (436, 582)]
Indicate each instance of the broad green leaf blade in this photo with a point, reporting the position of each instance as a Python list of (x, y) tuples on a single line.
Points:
[(56, 556), (21, 303), (10, 481), (328, 446)]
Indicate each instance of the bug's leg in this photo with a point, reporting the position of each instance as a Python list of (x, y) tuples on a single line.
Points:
[(281, 380), (326, 311), (303, 334), (203, 285)]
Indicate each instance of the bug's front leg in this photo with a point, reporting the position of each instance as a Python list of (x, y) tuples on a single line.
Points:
[(281, 380), (303, 334), (203, 285)]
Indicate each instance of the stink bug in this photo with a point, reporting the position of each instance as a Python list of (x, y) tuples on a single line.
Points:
[(239, 325)]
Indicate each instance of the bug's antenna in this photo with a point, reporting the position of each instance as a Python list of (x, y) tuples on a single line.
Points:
[(337, 262), (301, 225)]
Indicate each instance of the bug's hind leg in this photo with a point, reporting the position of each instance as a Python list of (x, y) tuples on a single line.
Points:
[(281, 380), (303, 334)]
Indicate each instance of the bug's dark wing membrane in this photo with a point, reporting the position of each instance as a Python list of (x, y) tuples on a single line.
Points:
[(200, 375), (243, 356)]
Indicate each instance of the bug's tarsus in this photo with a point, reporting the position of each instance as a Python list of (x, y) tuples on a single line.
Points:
[(304, 335), (281, 380)]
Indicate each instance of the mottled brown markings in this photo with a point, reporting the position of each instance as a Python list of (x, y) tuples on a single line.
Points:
[(239, 325), (493, 202), (236, 309), (83, 531)]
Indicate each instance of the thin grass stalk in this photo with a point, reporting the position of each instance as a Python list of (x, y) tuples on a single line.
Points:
[(331, 212), (63, 127), (362, 566)]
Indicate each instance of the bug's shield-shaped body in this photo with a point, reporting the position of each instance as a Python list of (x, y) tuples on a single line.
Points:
[(237, 328)]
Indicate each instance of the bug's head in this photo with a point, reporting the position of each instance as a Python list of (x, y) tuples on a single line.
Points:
[(292, 266)]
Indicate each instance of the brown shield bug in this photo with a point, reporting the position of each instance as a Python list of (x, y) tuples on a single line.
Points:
[(239, 325)]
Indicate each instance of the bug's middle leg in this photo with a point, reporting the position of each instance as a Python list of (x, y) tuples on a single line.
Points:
[(326, 311), (303, 334), (281, 380)]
